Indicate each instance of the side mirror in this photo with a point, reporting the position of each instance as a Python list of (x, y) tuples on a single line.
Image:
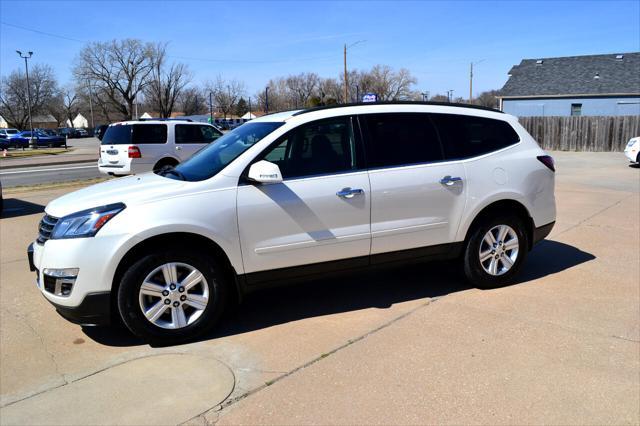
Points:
[(265, 172)]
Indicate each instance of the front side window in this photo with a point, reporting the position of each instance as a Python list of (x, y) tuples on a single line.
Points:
[(465, 136), (318, 148), (398, 139), (210, 160), (149, 134)]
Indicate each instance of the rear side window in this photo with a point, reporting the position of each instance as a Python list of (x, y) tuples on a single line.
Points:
[(401, 139), (465, 136), (192, 133), (149, 134)]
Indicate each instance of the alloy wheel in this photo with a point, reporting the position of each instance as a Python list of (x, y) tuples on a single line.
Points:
[(499, 250), (174, 295)]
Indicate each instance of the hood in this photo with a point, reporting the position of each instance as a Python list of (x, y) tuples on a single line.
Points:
[(130, 190)]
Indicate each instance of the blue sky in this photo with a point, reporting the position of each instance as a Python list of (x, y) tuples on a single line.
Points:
[(255, 41)]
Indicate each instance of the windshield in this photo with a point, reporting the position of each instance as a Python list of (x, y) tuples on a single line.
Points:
[(12, 132), (210, 160)]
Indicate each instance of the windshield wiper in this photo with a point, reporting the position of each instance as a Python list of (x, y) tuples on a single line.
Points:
[(171, 170)]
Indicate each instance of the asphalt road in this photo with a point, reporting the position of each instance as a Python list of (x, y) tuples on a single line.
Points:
[(49, 174)]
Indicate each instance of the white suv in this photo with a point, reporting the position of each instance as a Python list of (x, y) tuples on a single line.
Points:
[(292, 195), (133, 147)]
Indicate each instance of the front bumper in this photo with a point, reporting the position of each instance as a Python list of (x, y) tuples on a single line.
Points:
[(94, 309), (631, 154)]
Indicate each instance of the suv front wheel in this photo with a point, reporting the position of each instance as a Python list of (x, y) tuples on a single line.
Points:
[(172, 297), (495, 252)]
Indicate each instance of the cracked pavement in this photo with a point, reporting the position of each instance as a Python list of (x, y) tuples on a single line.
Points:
[(407, 346)]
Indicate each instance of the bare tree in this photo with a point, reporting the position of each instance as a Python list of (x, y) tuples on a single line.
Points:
[(301, 87), (13, 94), (388, 84), (487, 99), (119, 71), (193, 101), (166, 82), (225, 94), (70, 104)]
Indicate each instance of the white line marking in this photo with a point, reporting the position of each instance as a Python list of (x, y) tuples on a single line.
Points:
[(48, 170)]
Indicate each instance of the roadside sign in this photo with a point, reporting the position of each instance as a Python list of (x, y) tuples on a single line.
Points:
[(369, 97)]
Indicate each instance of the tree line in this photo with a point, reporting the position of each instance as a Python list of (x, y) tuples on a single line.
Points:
[(114, 78)]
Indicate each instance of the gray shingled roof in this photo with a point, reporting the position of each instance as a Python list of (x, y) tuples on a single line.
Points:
[(575, 75)]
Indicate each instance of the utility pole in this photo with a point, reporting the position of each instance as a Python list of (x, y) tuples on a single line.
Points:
[(266, 100), (471, 83), (26, 67), (249, 107), (211, 107), (91, 104), (471, 79), (346, 79), (346, 82)]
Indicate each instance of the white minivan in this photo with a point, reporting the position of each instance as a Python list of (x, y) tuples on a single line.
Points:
[(293, 195), (140, 146)]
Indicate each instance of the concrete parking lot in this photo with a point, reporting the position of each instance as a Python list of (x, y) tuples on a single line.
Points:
[(405, 346)]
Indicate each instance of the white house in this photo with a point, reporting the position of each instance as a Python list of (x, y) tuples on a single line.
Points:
[(79, 122), (3, 123)]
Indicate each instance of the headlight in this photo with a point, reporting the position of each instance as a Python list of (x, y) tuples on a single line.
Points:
[(85, 223)]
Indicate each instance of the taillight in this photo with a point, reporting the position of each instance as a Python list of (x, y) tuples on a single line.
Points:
[(134, 152), (547, 160)]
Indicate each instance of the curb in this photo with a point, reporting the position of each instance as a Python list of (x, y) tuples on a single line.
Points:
[(54, 163)]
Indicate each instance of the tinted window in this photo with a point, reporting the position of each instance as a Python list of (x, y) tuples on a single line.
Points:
[(400, 139), (466, 136), (115, 135), (321, 147), (213, 158), (192, 133), (149, 133)]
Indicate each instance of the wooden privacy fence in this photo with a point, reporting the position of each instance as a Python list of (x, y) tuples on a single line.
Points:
[(582, 133)]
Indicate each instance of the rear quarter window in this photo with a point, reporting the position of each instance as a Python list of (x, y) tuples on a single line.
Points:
[(467, 136)]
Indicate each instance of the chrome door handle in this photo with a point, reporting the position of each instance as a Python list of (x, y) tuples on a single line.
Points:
[(178, 148), (349, 193), (450, 180)]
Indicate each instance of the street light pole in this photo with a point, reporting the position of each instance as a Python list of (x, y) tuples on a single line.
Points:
[(26, 67)]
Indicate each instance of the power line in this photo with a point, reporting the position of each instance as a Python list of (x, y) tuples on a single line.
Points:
[(238, 61)]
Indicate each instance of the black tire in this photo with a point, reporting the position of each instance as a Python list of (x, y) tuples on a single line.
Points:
[(131, 312), (473, 269), (163, 163)]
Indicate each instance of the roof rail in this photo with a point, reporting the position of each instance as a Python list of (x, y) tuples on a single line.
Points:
[(450, 104), (165, 119)]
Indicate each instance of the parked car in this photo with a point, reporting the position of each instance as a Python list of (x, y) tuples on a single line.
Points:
[(49, 132), (9, 133), (42, 139), (632, 150), (98, 132), (82, 133), (141, 146), (290, 196), (68, 132), (4, 143)]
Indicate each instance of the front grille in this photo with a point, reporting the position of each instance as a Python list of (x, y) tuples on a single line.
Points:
[(46, 227)]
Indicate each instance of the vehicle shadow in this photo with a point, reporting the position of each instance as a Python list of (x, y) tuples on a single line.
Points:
[(15, 207), (379, 289)]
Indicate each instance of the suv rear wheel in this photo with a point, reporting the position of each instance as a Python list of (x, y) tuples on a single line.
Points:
[(171, 297), (495, 252)]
